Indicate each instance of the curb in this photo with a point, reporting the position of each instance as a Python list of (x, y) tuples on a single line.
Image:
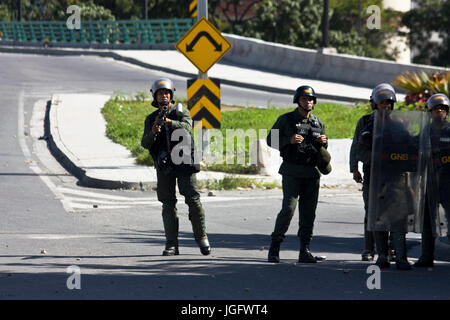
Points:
[(68, 161), (86, 178), (118, 57)]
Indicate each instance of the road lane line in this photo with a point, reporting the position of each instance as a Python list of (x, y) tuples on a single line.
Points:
[(27, 154)]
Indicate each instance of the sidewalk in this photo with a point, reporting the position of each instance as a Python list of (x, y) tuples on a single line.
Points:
[(78, 140)]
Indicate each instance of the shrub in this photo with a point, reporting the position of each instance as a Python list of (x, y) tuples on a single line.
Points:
[(420, 86)]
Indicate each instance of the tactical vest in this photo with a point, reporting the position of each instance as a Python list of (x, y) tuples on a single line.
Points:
[(305, 153), (159, 149)]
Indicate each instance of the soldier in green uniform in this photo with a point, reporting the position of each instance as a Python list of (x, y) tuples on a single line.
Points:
[(438, 188), (159, 128), (302, 144)]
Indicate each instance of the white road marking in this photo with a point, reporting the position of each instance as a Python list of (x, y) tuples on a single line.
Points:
[(27, 153), (95, 194), (130, 201)]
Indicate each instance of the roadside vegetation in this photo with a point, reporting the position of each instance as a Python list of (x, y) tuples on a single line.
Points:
[(125, 116)]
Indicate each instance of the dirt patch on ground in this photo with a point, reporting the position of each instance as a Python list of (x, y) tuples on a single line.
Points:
[(230, 108)]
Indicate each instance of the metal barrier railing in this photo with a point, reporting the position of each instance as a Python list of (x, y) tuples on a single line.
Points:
[(107, 32)]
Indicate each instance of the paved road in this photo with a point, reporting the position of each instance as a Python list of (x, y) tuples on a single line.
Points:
[(115, 237)]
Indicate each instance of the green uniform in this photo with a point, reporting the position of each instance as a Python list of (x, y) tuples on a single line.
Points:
[(300, 176), (184, 174), (361, 150)]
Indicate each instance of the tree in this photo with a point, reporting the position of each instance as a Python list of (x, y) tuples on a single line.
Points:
[(293, 22), (5, 14), (91, 11), (298, 23), (429, 21), (232, 16), (350, 17)]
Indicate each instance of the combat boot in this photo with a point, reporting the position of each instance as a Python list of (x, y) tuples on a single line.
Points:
[(392, 256), (171, 249), (274, 251), (399, 242), (381, 241), (171, 226), (367, 255), (369, 242), (426, 259), (305, 255), (383, 262), (424, 262), (204, 246)]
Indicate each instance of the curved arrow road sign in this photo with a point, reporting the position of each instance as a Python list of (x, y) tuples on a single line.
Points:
[(203, 45)]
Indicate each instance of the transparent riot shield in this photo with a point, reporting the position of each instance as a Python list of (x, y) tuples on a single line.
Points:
[(438, 184), (398, 171)]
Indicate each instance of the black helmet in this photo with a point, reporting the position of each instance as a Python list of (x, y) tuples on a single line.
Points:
[(304, 91), (163, 83), (438, 99), (383, 91)]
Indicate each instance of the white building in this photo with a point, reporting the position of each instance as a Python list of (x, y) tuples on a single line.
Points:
[(400, 43)]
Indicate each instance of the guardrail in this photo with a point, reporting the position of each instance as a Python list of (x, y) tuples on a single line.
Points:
[(152, 31)]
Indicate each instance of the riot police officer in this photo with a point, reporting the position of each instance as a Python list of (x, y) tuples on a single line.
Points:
[(438, 186), (302, 142), (361, 151), (157, 138), (390, 199)]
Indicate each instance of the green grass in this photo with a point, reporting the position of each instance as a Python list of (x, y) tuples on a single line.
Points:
[(231, 183), (340, 121), (125, 118)]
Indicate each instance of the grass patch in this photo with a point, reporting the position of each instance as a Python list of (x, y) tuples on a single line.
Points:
[(231, 183), (125, 118)]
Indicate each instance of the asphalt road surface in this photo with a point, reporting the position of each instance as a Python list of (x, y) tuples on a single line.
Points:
[(56, 235)]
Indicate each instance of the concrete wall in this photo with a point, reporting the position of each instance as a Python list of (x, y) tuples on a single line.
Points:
[(309, 63)]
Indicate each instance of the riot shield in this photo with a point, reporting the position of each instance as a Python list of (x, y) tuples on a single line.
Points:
[(398, 171), (438, 182)]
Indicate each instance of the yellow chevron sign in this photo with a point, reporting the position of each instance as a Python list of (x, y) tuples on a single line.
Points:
[(193, 8), (203, 45), (204, 102)]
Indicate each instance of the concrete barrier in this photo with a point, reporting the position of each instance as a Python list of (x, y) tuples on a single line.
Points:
[(268, 161), (314, 64)]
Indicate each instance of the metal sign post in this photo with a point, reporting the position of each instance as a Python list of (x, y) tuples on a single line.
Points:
[(202, 11), (204, 45)]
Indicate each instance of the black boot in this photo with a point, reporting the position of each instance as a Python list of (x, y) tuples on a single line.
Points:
[(383, 261), (367, 255), (305, 255), (171, 226), (171, 249), (204, 246), (381, 241), (426, 259), (399, 242), (369, 242), (274, 251), (424, 262)]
